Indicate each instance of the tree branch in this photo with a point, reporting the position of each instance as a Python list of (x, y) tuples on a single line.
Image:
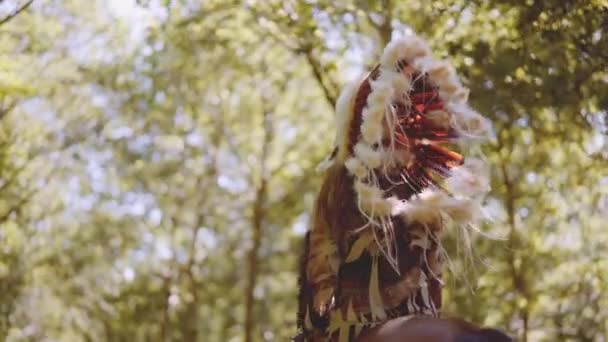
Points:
[(6, 109), (385, 29), (329, 91), (517, 275), (16, 12), (257, 223), (17, 206), (330, 96)]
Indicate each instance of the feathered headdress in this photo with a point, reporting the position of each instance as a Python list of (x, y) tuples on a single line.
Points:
[(394, 160)]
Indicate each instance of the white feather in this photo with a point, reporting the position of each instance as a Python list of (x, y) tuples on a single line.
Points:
[(408, 48), (448, 86), (372, 132), (325, 164), (381, 94), (468, 122), (439, 70), (372, 127), (469, 179), (366, 154), (367, 192), (372, 201), (431, 205), (398, 81), (356, 167), (344, 114)]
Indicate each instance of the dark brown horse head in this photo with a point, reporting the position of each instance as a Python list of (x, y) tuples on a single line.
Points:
[(430, 329), (484, 335)]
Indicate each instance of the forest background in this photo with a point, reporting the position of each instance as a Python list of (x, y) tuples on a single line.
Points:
[(157, 160)]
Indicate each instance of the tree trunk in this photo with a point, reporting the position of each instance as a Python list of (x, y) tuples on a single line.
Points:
[(257, 225), (514, 243)]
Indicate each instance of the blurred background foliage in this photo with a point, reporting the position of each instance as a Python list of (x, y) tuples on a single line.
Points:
[(157, 160)]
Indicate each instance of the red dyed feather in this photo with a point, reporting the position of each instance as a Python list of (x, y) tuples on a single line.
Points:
[(414, 129)]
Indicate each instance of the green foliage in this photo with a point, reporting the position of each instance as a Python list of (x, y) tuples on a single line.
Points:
[(157, 161)]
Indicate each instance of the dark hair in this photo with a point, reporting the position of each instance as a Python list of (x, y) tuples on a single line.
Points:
[(484, 335)]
